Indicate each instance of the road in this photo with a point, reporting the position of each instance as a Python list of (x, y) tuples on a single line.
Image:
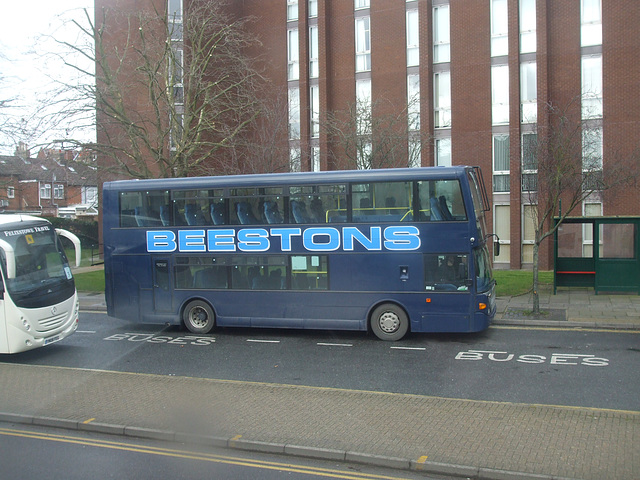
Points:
[(538, 366), (83, 455)]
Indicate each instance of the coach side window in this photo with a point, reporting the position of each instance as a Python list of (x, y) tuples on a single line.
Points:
[(441, 201), (142, 209), (382, 202)]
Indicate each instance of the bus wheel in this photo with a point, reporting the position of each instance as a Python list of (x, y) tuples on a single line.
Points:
[(389, 322), (198, 317)]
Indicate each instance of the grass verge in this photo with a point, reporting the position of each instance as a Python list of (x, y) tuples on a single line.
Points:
[(510, 282)]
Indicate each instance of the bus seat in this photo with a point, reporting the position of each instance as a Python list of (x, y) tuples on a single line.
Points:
[(165, 216), (299, 210), (436, 215), (193, 214), (444, 208), (318, 211), (272, 213), (143, 219), (245, 214), (217, 211)]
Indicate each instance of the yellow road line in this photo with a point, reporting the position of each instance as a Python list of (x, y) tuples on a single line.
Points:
[(130, 447)]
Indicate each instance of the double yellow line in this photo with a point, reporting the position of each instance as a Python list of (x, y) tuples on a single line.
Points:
[(198, 456)]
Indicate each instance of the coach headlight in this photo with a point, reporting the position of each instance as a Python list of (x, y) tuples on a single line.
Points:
[(26, 324)]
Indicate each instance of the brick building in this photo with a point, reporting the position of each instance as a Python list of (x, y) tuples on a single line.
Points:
[(55, 183), (473, 77)]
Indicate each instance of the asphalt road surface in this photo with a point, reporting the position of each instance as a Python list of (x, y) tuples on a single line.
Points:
[(587, 368)]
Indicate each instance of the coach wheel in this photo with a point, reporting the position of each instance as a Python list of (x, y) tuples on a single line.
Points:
[(389, 322), (198, 317)]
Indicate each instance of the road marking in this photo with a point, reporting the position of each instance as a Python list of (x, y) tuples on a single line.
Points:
[(564, 329), (409, 348), (334, 344), (262, 341), (86, 422), (207, 457), (85, 331), (421, 461)]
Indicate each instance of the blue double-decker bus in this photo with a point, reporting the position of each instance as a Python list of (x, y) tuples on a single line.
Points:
[(388, 251)]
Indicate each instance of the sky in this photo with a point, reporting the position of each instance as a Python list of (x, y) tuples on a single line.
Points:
[(25, 66)]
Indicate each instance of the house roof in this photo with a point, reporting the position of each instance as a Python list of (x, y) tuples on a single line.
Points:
[(50, 165)]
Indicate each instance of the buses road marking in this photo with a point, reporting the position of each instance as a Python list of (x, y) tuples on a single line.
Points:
[(422, 349), (322, 344), (262, 341)]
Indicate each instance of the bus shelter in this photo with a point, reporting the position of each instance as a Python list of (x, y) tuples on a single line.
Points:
[(598, 252)]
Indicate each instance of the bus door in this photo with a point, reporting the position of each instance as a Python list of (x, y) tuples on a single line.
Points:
[(449, 298), (162, 288)]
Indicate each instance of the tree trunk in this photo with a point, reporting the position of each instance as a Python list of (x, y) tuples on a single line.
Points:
[(536, 268)]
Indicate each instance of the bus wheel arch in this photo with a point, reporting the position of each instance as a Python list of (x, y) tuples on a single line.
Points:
[(389, 321), (198, 316)]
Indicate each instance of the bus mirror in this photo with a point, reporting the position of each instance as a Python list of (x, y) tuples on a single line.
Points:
[(496, 248), (10, 256), (1, 290), (76, 243)]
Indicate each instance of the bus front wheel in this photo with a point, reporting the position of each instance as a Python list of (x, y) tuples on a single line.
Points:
[(198, 317), (389, 322)]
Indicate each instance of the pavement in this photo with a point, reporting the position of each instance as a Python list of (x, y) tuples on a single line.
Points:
[(440, 436)]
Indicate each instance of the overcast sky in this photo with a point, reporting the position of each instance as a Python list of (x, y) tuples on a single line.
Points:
[(24, 28)]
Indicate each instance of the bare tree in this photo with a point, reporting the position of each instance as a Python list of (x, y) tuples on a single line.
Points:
[(363, 138), (563, 167), (171, 95)]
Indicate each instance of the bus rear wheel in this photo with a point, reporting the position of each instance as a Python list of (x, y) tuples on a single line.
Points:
[(389, 322), (198, 317)]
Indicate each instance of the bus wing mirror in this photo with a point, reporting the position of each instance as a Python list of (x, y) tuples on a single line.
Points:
[(10, 256), (496, 248), (75, 240)]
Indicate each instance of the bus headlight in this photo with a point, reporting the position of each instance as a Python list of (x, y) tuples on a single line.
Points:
[(26, 325)]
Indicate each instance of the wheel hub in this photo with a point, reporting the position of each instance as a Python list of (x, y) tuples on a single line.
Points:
[(389, 322)]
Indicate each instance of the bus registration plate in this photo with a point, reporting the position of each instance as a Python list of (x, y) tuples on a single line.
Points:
[(54, 339)]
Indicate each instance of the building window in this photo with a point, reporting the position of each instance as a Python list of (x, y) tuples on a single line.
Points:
[(502, 228), (591, 22), (314, 70), (527, 26), (313, 8), (442, 99), (501, 167), (363, 44), (174, 19), (292, 10), (58, 191), (592, 86), (11, 192), (314, 94), (591, 152), (315, 159), (500, 94), (528, 93), (529, 220), (45, 190), (294, 159), (413, 102), (294, 114), (499, 28), (89, 195), (413, 39), (441, 37), (293, 54), (360, 4), (415, 153), (443, 152), (177, 73), (363, 107), (529, 162)]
